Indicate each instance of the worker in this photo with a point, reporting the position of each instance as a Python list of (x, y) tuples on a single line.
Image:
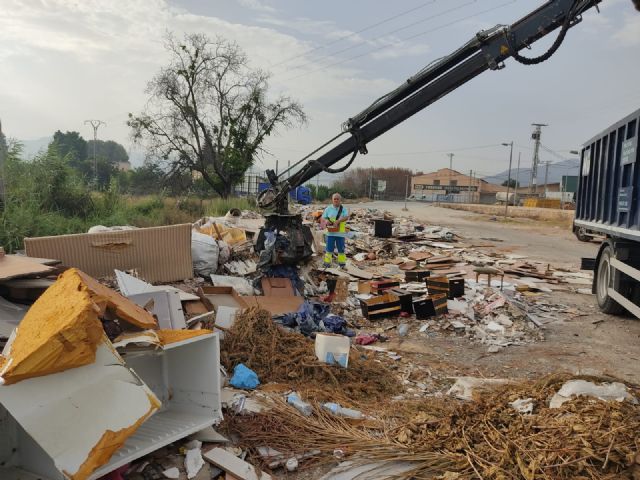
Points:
[(336, 216)]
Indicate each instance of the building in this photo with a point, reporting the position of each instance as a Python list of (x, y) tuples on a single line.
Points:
[(451, 185)]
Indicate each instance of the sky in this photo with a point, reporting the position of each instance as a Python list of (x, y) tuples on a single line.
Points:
[(66, 61)]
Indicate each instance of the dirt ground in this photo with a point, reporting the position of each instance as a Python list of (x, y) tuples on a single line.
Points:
[(590, 343)]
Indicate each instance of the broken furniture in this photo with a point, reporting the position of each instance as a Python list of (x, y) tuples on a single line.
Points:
[(452, 287), (427, 307), (387, 305), (489, 271)]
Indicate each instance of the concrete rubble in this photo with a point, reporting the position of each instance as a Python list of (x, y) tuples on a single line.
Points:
[(139, 370)]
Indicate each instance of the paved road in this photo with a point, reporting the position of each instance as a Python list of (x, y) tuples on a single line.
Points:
[(536, 239)]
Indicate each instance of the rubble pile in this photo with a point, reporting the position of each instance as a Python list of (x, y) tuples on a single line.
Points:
[(510, 432), (147, 357)]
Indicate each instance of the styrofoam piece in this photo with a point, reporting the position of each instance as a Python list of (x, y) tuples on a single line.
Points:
[(209, 435), (67, 414), (234, 465), (130, 285), (614, 391), (65, 409), (190, 395), (241, 285), (333, 349), (166, 306), (193, 462)]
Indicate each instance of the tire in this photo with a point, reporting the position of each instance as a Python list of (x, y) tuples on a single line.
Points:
[(606, 276), (581, 234)]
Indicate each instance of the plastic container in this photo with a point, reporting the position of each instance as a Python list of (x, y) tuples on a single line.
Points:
[(303, 407), (332, 348), (336, 409), (403, 329)]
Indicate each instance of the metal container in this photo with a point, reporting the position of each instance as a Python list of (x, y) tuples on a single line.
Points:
[(607, 198)]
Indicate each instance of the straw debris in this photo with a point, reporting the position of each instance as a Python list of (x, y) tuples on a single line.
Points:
[(285, 357), (486, 438)]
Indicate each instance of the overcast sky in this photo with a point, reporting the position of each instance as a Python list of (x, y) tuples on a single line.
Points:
[(65, 61)]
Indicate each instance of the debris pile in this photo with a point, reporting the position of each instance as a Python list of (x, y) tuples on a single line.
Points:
[(134, 359), (289, 358), (488, 437)]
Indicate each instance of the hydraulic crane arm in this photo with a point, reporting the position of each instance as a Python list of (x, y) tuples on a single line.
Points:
[(486, 51)]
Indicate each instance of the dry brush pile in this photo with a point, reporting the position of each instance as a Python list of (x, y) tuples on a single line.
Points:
[(584, 439)]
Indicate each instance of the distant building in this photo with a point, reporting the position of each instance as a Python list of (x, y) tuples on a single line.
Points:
[(446, 181), (124, 166)]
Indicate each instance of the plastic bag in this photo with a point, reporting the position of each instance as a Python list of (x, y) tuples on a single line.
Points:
[(244, 377), (204, 253)]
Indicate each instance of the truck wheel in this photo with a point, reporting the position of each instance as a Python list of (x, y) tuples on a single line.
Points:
[(605, 278), (581, 234)]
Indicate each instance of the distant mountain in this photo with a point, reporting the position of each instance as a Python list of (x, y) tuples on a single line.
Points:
[(556, 171), (31, 148)]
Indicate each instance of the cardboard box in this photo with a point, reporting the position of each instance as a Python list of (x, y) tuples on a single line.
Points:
[(158, 254), (277, 287), (275, 305), (387, 305), (222, 297), (452, 287)]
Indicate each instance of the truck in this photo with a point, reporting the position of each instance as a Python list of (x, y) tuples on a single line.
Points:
[(607, 204), (486, 51)]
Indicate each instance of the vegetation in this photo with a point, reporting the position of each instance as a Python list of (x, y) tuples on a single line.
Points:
[(49, 196), (358, 182), (512, 184), (208, 112)]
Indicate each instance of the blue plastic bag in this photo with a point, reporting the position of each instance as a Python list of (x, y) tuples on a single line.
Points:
[(244, 377)]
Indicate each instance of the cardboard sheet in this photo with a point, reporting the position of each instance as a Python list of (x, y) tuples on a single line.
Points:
[(148, 250), (277, 287), (15, 266), (275, 305)]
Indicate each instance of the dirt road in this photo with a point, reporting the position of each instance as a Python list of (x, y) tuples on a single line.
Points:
[(593, 342)]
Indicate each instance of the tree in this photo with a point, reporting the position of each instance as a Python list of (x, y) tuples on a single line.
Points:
[(4, 149), (208, 112), (513, 184), (71, 143), (111, 151)]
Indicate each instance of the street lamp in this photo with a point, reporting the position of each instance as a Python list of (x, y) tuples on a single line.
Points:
[(506, 204), (406, 194)]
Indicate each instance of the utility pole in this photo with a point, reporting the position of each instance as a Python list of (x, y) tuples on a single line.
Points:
[(276, 166), (470, 180), (450, 155), (515, 200), (406, 194), (546, 176), (536, 159), (506, 204), (371, 183), (95, 124)]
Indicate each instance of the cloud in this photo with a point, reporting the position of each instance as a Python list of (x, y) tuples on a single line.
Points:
[(256, 5), (68, 60), (629, 34)]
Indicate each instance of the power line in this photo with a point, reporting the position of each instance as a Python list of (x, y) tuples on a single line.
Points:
[(352, 34), (358, 44), (403, 40)]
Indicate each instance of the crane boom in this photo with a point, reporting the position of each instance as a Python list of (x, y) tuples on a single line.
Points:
[(487, 50)]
